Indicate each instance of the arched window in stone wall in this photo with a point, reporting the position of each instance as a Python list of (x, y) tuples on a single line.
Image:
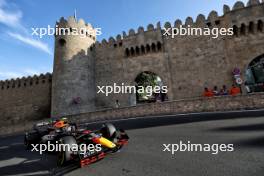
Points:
[(62, 42), (82, 31), (251, 27), (159, 46), (132, 51), (243, 29), (255, 74), (147, 81), (153, 47), (142, 49), (147, 48), (137, 51), (127, 52), (235, 30), (260, 26)]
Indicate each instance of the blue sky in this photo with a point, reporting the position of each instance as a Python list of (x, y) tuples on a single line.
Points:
[(22, 54)]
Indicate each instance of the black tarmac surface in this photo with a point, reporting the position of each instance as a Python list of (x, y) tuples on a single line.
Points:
[(144, 155)]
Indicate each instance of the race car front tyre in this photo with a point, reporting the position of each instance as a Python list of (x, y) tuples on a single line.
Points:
[(66, 156), (108, 131)]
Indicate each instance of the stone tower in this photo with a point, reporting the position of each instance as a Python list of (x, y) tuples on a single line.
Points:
[(73, 85)]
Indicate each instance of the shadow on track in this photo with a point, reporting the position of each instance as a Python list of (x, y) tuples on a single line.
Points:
[(242, 128), (252, 142), (16, 160), (257, 142), (147, 122)]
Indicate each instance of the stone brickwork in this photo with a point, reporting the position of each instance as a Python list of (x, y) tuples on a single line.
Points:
[(186, 64), (192, 105), (24, 100), (73, 87)]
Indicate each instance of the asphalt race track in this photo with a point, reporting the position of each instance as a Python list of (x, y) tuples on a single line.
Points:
[(144, 155)]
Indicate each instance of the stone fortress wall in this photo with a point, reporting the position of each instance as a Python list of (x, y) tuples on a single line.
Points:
[(186, 64), (73, 71), (25, 99)]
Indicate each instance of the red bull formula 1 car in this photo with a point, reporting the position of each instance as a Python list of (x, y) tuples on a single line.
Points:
[(79, 142)]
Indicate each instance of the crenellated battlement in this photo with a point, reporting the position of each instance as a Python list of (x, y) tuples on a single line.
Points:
[(69, 26), (71, 21), (118, 40), (26, 81), (212, 20)]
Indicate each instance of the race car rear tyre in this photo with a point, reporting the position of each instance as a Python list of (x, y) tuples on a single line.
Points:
[(66, 156)]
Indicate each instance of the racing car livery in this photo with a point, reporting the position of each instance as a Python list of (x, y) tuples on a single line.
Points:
[(49, 131), (108, 138)]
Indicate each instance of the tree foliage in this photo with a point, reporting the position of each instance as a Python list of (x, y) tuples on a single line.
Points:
[(146, 79)]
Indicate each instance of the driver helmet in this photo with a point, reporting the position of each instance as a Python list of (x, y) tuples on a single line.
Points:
[(59, 124)]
